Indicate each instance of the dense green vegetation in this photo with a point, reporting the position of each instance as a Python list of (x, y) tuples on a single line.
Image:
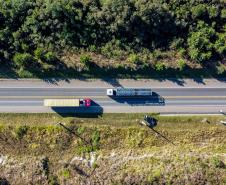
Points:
[(72, 37)]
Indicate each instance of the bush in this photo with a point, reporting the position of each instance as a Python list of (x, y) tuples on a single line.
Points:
[(220, 44), (177, 44), (95, 140), (24, 60), (223, 13), (39, 53), (50, 57), (81, 130), (217, 163), (181, 64), (25, 47), (65, 173), (92, 48), (213, 11), (53, 180), (220, 69), (133, 58), (22, 73), (85, 59), (112, 50), (45, 165), (182, 52), (200, 43), (199, 11), (157, 55), (21, 131), (159, 66)]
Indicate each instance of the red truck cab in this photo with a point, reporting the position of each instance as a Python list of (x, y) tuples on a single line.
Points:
[(87, 102)]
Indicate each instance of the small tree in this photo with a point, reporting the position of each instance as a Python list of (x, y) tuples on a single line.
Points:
[(160, 66), (199, 11), (50, 57), (23, 60), (134, 58), (21, 131), (85, 59), (181, 64), (200, 42), (220, 44), (39, 53)]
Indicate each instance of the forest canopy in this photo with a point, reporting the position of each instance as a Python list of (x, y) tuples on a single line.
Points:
[(37, 30)]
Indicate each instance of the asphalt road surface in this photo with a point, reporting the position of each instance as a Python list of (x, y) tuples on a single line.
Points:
[(170, 100)]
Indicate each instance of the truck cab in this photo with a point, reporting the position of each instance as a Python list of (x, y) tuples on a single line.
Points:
[(111, 92), (85, 102)]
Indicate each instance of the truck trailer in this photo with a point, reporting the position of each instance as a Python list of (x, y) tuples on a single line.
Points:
[(129, 92), (67, 102)]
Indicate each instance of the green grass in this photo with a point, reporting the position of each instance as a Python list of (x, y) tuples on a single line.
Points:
[(65, 173), (115, 130)]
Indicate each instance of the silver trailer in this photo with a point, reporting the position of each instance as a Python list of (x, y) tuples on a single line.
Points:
[(129, 92)]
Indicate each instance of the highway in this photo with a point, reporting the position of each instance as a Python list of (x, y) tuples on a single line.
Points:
[(172, 99)]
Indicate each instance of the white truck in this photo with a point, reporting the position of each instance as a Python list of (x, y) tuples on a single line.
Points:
[(67, 102), (129, 92)]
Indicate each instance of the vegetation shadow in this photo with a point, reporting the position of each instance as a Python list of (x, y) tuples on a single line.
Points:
[(4, 181), (7, 71)]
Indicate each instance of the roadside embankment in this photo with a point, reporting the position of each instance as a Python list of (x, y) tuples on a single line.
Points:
[(111, 149)]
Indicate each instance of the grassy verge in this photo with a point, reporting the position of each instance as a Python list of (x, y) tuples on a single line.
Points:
[(112, 149)]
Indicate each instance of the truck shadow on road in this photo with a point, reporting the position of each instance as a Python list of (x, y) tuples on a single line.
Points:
[(94, 111), (154, 100)]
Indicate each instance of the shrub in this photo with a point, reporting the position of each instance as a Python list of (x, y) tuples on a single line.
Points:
[(92, 48), (213, 11), (220, 44), (45, 165), (157, 54), (21, 131), (81, 130), (217, 163), (177, 44), (181, 64), (159, 66), (182, 52), (65, 173), (200, 42), (106, 50), (39, 53), (95, 140), (23, 60), (134, 58), (50, 57), (84, 149), (53, 180), (85, 59), (199, 11), (223, 13), (112, 50), (22, 73), (220, 69), (25, 47)]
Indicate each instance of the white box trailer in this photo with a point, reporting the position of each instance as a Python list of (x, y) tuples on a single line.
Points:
[(129, 92), (67, 102)]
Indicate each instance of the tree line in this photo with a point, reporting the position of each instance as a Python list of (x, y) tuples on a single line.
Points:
[(31, 29)]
